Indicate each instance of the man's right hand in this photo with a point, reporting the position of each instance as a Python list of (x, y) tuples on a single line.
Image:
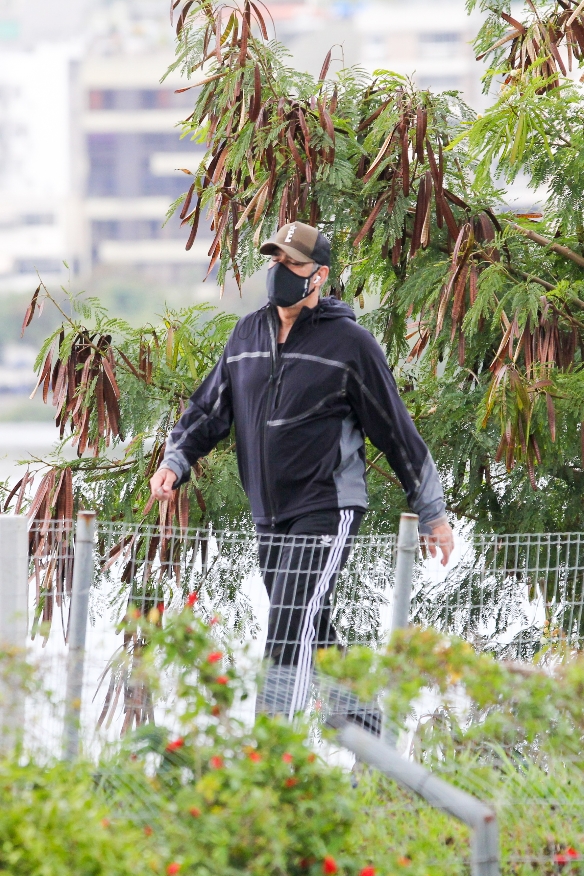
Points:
[(161, 484)]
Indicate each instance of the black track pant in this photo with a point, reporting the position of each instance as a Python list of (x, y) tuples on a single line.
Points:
[(300, 560)]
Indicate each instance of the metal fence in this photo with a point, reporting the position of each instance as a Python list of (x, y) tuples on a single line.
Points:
[(513, 595), (142, 572), (517, 596)]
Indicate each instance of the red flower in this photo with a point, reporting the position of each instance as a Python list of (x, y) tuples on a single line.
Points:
[(160, 607), (572, 853), (222, 679), (175, 744), (216, 761), (367, 871), (216, 711), (214, 657), (290, 784), (329, 865), (255, 756), (192, 598), (287, 758), (565, 857), (173, 868), (148, 830), (194, 811)]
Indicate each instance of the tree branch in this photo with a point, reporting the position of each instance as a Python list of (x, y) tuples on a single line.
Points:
[(458, 511), (532, 278), (385, 474), (549, 244)]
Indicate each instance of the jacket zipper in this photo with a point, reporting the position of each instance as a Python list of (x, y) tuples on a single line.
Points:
[(278, 385), (267, 409)]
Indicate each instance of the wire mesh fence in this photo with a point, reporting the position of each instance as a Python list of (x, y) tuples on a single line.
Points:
[(281, 597), (517, 596)]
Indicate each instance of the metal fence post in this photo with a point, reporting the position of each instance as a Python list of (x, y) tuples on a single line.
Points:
[(485, 860), (13, 580), (13, 622), (407, 546), (82, 580)]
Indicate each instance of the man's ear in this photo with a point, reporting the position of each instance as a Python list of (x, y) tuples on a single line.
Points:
[(319, 279)]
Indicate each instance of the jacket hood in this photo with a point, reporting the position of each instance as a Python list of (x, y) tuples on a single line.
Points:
[(332, 308)]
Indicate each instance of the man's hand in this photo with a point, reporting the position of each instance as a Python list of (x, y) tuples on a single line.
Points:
[(442, 537), (161, 484)]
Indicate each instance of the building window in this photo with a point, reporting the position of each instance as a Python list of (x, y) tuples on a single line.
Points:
[(102, 154), (38, 219), (136, 229), (441, 43), (120, 165), (43, 265), (102, 99), (441, 36), (124, 99)]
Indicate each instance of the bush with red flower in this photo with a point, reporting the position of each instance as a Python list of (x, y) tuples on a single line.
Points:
[(232, 798)]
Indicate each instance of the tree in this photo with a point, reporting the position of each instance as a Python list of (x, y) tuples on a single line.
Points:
[(480, 310), (485, 303)]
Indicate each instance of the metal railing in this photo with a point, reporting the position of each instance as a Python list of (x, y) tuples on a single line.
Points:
[(518, 596)]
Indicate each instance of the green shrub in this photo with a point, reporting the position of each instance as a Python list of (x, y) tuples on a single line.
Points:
[(211, 797), (511, 734), (218, 797), (53, 823), (215, 797)]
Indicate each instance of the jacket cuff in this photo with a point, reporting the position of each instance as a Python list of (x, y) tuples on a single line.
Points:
[(429, 526), (177, 462)]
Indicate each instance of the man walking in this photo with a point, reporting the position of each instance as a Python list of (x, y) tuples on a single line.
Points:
[(304, 384)]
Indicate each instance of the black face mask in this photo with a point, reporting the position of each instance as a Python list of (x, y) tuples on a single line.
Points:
[(286, 288)]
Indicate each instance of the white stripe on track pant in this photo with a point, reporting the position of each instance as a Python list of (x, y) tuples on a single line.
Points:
[(300, 572)]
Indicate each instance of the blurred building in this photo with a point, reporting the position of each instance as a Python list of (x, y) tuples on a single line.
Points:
[(429, 40), (39, 41), (132, 160), (89, 143), (35, 162)]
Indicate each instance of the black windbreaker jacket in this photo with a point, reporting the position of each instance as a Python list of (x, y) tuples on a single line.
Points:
[(301, 415)]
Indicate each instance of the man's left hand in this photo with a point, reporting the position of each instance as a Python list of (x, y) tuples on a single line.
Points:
[(442, 537)]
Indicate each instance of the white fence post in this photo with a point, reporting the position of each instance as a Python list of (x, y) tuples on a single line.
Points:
[(13, 622), (407, 546), (82, 580)]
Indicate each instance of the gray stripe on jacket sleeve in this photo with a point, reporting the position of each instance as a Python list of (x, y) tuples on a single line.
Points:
[(428, 502)]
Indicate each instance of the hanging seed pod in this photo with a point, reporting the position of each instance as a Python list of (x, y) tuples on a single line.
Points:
[(421, 127), (30, 310)]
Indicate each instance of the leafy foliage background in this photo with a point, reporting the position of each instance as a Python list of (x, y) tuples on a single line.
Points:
[(479, 310)]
